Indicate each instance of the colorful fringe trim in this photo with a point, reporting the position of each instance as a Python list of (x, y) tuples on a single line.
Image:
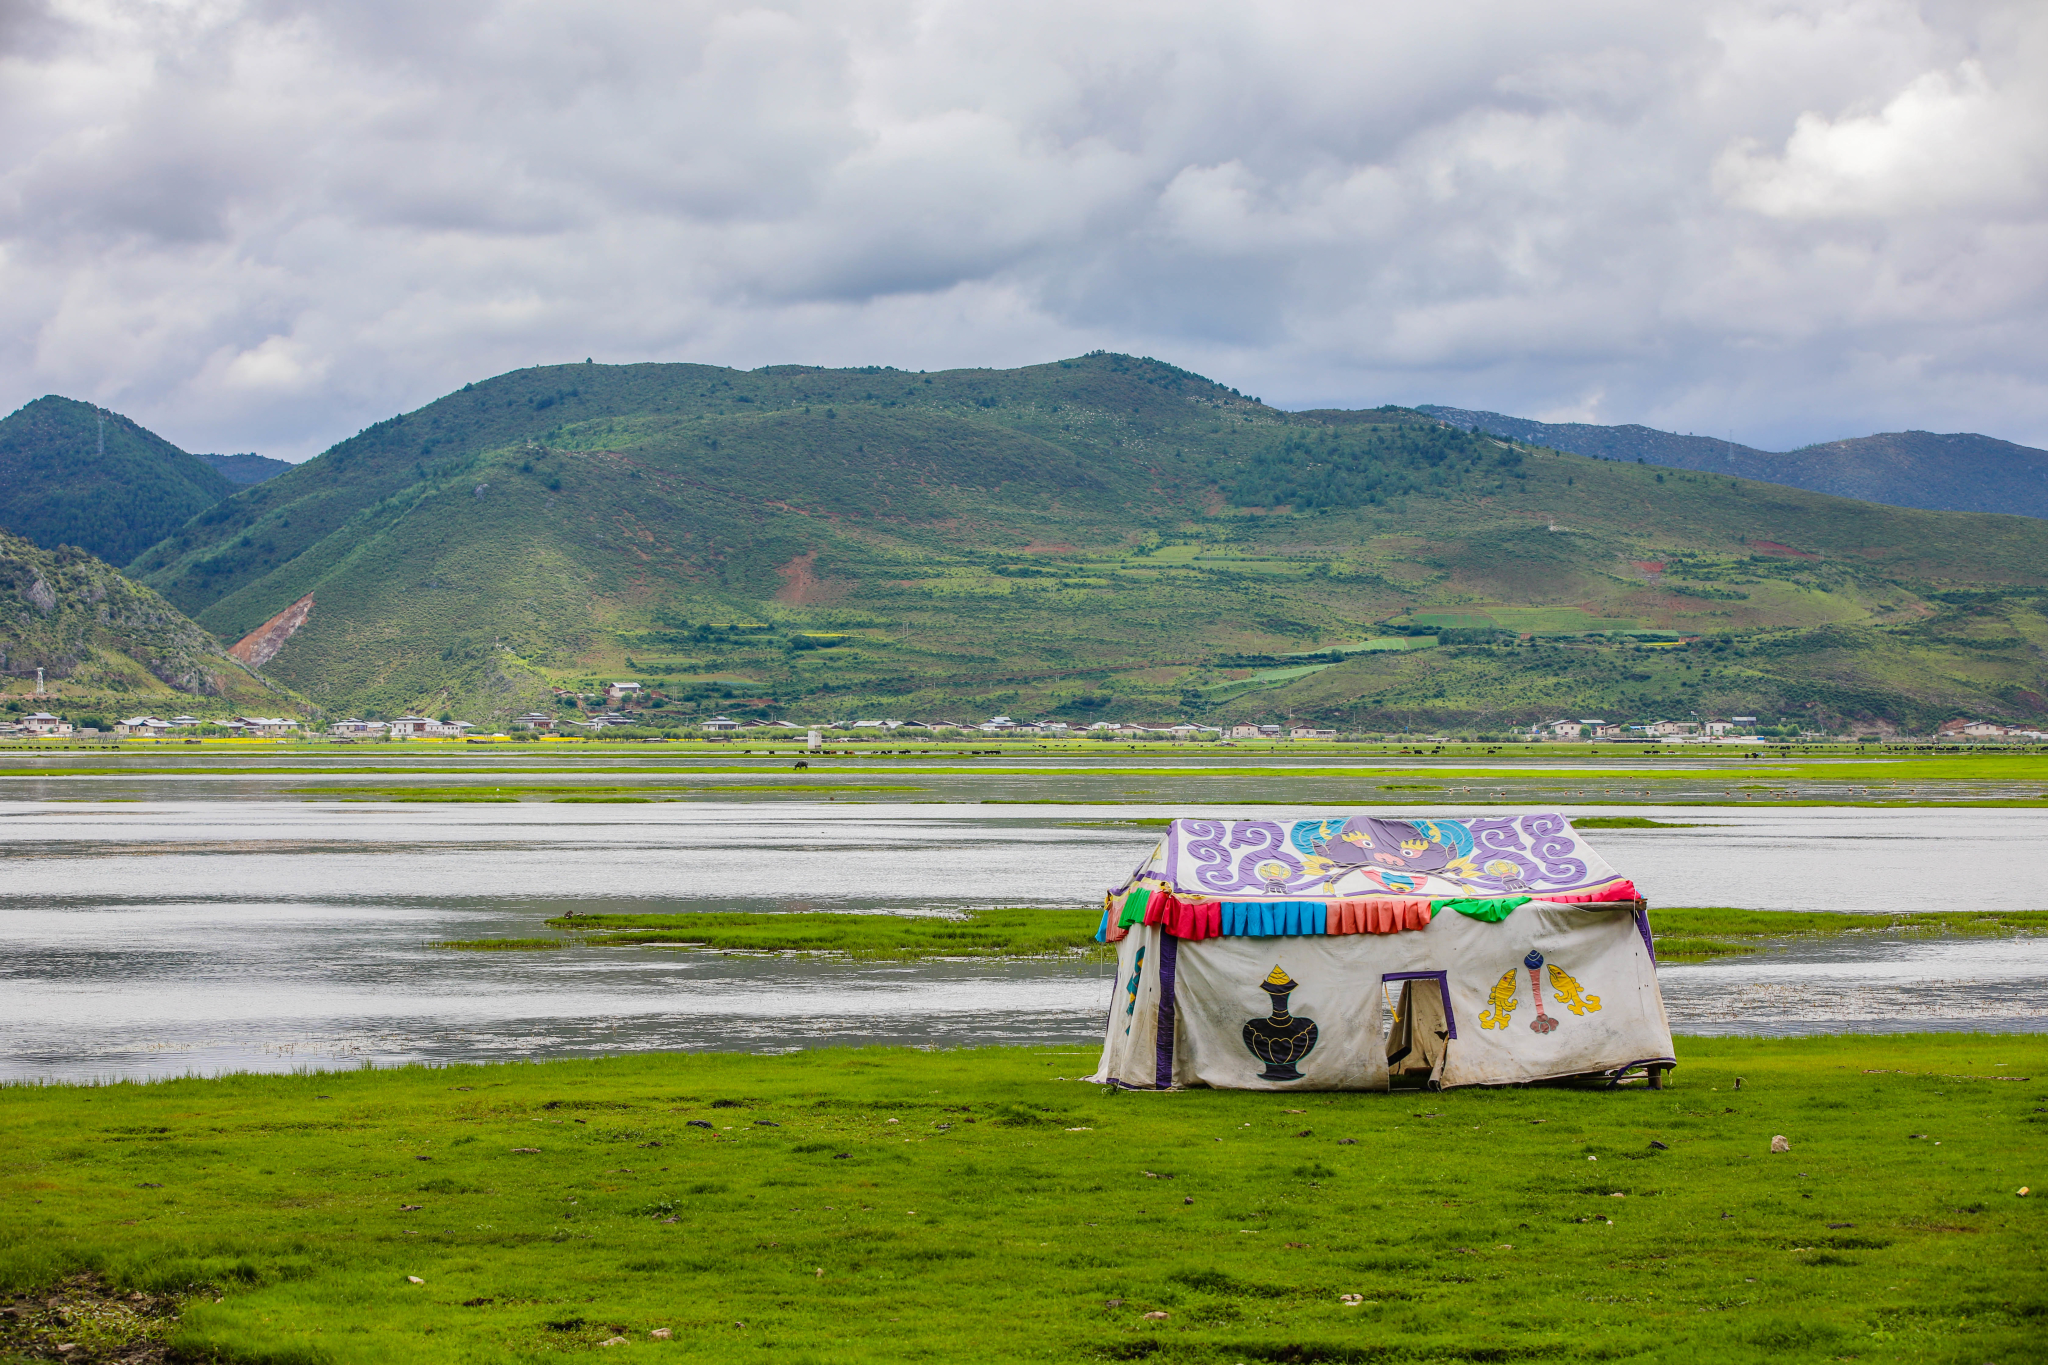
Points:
[(1154, 904)]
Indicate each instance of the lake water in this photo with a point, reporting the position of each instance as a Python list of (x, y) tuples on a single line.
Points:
[(162, 937)]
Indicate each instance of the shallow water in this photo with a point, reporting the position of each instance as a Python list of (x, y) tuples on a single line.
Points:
[(166, 937)]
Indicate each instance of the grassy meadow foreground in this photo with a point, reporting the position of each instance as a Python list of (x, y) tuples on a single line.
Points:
[(849, 1205)]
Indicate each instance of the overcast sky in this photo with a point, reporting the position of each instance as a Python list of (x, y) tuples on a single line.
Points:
[(262, 225)]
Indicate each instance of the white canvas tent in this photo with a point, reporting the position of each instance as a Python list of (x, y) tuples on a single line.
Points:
[(1333, 954)]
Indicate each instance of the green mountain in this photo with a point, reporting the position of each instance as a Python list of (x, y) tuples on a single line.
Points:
[(104, 640), (1950, 472), (1099, 537), (247, 468), (73, 474)]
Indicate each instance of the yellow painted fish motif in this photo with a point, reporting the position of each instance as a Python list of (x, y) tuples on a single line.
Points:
[(1569, 993), (1501, 1002)]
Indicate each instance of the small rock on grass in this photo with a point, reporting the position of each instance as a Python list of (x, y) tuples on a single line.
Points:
[(1351, 1300), (661, 1334), (1781, 1144), (1157, 1316), (613, 1341), (414, 1279)]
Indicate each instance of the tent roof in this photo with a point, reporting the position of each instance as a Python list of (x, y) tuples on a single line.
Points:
[(1368, 855)]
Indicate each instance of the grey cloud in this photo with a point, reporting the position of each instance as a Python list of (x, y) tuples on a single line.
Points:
[(262, 225)]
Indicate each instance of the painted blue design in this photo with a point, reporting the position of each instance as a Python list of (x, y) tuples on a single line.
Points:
[(1306, 834), (1131, 990)]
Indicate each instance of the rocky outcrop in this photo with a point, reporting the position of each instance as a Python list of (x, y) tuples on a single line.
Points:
[(76, 618)]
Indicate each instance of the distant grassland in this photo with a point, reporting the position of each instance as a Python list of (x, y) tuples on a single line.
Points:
[(1679, 933), (638, 792), (888, 1205)]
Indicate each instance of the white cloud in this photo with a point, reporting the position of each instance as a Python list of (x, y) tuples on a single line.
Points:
[(264, 223), (1949, 142)]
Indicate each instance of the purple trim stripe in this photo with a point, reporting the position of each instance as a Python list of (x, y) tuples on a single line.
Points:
[(1169, 951), (1443, 984), (1643, 926)]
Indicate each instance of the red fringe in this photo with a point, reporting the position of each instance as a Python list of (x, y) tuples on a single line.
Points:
[(1621, 889)]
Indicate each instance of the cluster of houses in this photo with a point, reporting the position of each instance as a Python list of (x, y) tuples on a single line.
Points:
[(38, 724), (1989, 729), (1733, 728), (1004, 725), (41, 724), (1736, 729), (246, 727), (1742, 729)]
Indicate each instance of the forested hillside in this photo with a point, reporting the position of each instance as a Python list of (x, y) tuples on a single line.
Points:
[(1104, 536), (73, 474), (1956, 472), (247, 468)]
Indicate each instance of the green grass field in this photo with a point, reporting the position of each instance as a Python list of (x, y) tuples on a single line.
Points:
[(893, 1205), (1007, 932)]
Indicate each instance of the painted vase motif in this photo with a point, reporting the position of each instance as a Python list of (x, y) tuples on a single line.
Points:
[(1542, 1023), (1280, 1040)]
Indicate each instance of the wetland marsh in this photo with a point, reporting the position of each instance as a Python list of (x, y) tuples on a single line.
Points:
[(172, 912)]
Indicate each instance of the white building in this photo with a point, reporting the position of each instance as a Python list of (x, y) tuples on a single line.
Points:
[(719, 725), (423, 727), (358, 729), (621, 691), (43, 723), (142, 727)]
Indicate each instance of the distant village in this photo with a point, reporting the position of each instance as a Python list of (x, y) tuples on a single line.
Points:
[(578, 722)]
